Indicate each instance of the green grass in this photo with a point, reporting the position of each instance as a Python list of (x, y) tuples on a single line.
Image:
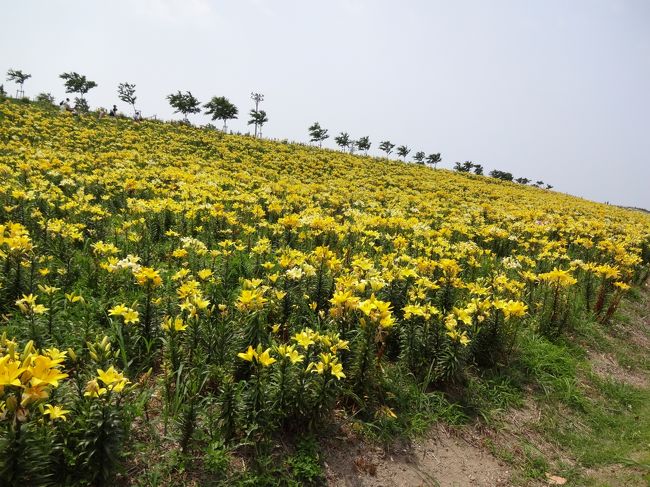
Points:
[(490, 395), (597, 421), (599, 426)]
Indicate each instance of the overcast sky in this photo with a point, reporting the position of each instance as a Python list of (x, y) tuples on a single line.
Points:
[(551, 89)]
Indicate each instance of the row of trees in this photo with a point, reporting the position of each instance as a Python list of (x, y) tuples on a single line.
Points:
[(220, 108), (469, 166), (345, 142), (74, 83)]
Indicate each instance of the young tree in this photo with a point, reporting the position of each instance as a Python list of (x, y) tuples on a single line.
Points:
[(403, 151), (126, 93), (548, 186), (364, 144), (81, 105), (2, 91), (317, 134), (343, 140), (419, 157), (503, 175), (184, 103), (257, 98), (463, 167), (523, 180), (434, 159), (387, 147), (45, 99), (478, 169), (258, 118), (221, 109), (18, 77), (77, 83)]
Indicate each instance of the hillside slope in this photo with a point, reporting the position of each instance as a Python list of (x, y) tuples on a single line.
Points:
[(236, 301)]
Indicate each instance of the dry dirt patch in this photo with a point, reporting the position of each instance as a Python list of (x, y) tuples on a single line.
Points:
[(522, 426), (444, 458), (606, 367)]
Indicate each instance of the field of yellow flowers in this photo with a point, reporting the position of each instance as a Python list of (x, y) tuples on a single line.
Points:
[(230, 289)]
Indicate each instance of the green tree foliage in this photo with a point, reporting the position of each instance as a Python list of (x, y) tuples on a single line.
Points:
[(503, 175), (77, 83), (364, 144), (257, 98), (81, 105), (258, 118), (18, 77), (317, 134), (45, 99), (184, 103), (126, 93), (403, 151), (387, 147), (478, 169), (522, 180), (419, 157), (463, 167), (434, 159), (343, 140), (220, 108)]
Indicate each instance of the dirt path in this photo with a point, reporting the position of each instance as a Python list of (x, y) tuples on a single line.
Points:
[(446, 458)]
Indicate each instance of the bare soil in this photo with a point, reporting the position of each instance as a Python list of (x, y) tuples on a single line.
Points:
[(605, 366), (447, 457)]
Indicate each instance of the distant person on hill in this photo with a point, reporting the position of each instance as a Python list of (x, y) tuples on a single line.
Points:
[(113, 112), (65, 105), (138, 116)]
